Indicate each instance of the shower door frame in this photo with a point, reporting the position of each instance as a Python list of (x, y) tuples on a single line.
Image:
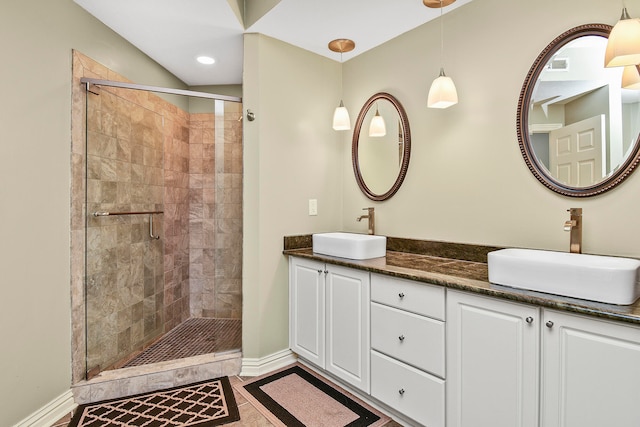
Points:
[(87, 82), (111, 83)]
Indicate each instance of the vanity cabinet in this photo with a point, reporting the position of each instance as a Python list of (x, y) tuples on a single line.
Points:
[(329, 318), (589, 375), (493, 349), (307, 309), (591, 372), (504, 363), (408, 348)]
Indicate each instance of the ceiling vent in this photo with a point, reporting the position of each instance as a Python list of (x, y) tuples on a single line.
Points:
[(558, 64)]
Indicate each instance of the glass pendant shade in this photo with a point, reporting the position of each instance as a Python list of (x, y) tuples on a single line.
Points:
[(443, 93), (341, 119), (377, 126), (631, 77), (623, 45)]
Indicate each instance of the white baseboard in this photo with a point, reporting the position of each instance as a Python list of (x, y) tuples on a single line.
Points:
[(254, 367), (65, 404), (51, 412)]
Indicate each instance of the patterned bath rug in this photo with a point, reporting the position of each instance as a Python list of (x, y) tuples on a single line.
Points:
[(203, 404), (295, 396)]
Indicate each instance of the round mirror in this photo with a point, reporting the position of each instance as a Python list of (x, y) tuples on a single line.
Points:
[(577, 126), (381, 146)]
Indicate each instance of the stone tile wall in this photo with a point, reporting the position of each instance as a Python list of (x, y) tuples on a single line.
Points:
[(201, 209), (226, 301), (215, 218), (176, 218), (124, 266)]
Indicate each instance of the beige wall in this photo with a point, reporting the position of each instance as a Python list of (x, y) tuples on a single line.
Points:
[(35, 120), (291, 154), (203, 105), (467, 181)]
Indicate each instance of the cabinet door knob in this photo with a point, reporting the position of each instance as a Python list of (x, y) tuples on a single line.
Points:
[(549, 324), (401, 391), (401, 295), (401, 337), (529, 319), (319, 271)]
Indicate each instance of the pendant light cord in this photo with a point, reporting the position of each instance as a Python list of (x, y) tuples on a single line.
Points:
[(341, 74), (441, 38)]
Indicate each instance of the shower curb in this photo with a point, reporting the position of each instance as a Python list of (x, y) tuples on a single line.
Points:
[(157, 376)]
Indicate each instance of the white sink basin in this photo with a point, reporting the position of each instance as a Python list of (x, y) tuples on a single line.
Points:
[(350, 245), (591, 277)]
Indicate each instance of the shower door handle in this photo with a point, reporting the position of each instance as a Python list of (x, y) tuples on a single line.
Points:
[(151, 228)]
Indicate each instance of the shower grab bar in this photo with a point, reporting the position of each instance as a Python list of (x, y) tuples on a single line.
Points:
[(150, 213), (102, 213), (156, 236)]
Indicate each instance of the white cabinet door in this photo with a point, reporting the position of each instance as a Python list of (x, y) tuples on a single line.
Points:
[(492, 362), (307, 309), (347, 326), (591, 372)]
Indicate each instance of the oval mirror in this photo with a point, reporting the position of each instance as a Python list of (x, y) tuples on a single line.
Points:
[(577, 127), (380, 152)]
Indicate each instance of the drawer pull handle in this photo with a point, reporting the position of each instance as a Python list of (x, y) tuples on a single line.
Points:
[(529, 320), (401, 391), (401, 338), (549, 324), (401, 295)]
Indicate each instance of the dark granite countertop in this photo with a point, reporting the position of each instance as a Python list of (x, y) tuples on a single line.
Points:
[(465, 275)]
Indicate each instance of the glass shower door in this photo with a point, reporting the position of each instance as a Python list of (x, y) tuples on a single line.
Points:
[(124, 283)]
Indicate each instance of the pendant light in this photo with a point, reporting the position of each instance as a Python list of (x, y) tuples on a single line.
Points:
[(623, 44), (377, 127), (631, 77), (443, 93), (341, 119)]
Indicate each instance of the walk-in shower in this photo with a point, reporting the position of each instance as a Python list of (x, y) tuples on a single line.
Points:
[(162, 225)]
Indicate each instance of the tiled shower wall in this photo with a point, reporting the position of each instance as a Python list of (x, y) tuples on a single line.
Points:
[(227, 298), (215, 219), (202, 223), (124, 265), (201, 209), (176, 218)]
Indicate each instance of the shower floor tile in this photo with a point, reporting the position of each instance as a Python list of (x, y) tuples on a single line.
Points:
[(193, 337)]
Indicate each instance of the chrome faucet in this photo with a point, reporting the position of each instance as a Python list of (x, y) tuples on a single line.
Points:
[(574, 226), (372, 220)]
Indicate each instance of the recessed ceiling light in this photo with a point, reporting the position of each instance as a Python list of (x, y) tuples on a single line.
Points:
[(207, 60)]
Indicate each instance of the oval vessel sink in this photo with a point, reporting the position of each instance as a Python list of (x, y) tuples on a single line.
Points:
[(350, 245), (592, 277)]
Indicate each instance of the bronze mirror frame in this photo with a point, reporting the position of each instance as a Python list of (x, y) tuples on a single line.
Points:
[(537, 168), (406, 148)]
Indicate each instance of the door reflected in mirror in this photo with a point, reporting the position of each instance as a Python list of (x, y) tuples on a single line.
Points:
[(578, 128), (380, 162)]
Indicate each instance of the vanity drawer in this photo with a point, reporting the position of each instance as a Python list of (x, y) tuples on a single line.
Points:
[(413, 339), (420, 298), (410, 391)]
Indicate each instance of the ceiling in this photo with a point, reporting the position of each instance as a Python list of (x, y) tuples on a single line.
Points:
[(175, 32)]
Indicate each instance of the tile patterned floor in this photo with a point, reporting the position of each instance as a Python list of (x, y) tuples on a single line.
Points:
[(193, 337), (249, 416)]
